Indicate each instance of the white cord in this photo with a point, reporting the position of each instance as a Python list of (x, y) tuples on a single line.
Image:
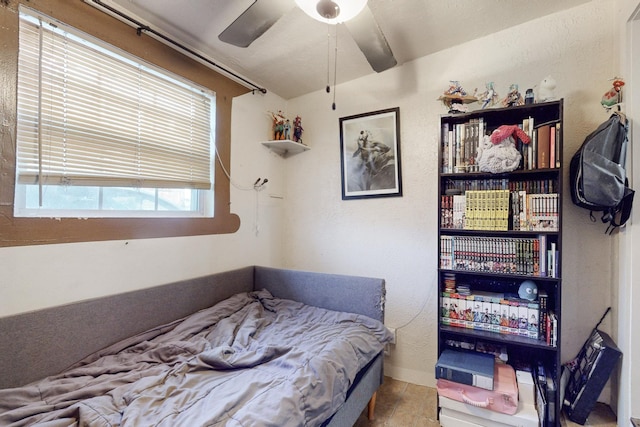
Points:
[(424, 304), (239, 187), (258, 186)]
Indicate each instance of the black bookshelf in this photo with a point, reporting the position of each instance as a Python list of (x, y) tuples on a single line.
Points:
[(493, 256)]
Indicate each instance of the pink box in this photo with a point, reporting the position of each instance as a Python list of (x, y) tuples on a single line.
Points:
[(503, 398)]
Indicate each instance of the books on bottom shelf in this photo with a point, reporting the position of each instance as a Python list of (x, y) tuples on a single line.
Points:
[(492, 312)]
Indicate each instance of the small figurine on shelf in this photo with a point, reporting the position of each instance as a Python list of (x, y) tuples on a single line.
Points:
[(278, 125), (529, 97), (613, 97), (489, 97), (455, 89), (297, 129), (547, 88), (287, 129), (513, 98), (455, 98)]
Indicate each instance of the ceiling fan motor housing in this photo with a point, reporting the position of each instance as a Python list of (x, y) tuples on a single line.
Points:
[(328, 9)]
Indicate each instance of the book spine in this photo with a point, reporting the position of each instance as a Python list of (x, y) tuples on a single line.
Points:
[(543, 141)]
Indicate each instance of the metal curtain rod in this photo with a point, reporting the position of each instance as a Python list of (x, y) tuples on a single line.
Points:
[(142, 27)]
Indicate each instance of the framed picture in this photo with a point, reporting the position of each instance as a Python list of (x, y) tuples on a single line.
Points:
[(370, 155)]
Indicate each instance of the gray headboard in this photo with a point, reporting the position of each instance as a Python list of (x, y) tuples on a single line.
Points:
[(354, 294), (44, 342), (40, 343)]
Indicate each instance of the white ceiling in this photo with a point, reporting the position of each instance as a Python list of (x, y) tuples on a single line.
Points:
[(290, 59)]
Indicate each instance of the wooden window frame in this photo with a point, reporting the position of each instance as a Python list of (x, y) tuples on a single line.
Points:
[(16, 231)]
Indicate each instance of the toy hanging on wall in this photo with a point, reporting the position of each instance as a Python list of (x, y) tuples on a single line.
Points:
[(613, 97), (455, 98)]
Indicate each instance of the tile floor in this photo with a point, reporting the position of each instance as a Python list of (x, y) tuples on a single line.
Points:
[(401, 404)]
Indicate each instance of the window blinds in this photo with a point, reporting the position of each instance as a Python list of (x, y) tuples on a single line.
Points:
[(90, 116)]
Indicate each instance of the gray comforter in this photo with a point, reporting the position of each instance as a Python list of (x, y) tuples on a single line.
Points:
[(251, 360)]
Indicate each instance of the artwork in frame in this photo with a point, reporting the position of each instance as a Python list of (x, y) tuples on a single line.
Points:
[(370, 155)]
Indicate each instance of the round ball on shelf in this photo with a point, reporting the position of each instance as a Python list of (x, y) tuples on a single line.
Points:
[(528, 290)]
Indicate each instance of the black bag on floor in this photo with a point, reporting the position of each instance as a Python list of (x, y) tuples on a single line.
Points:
[(597, 172)]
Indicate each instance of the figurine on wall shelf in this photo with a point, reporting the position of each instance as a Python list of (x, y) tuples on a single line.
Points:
[(489, 97), (613, 97), (297, 129), (529, 97), (547, 89), (279, 122), (455, 98), (287, 129), (513, 98)]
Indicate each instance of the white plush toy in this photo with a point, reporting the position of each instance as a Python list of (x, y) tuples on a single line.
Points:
[(500, 157), (497, 153), (546, 92)]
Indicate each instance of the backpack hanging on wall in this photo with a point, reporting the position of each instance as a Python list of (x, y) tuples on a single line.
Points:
[(597, 172)]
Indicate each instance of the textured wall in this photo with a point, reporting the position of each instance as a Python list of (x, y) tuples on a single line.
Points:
[(396, 238)]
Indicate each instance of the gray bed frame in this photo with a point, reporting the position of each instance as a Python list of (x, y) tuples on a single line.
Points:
[(37, 344)]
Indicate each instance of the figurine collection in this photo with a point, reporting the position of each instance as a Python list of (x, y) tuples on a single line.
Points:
[(282, 127), (457, 99)]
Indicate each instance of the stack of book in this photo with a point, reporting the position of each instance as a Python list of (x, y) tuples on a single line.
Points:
[(464, 307), (488, 311), (460, 142), (486, 210), (500, 210), (530, 256), (544, 150)]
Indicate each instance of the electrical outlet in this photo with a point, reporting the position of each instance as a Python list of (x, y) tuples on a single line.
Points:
[(393, 331)]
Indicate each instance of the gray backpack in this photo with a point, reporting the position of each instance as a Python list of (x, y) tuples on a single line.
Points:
[(597, 172)]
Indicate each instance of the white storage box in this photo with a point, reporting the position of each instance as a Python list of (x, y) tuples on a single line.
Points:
[(458, 414), (526, 388)]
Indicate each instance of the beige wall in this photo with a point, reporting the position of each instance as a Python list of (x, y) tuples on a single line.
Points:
[(396, 238)]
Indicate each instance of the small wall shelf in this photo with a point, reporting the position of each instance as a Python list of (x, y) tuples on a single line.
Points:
[(285, 147)]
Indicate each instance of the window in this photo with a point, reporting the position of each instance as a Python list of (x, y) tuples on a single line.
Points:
[(102, 134)]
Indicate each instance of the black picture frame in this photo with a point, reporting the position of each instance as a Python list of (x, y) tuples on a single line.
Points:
[(370, 161)]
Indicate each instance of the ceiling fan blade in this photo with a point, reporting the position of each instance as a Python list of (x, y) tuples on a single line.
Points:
[(254, 21), (367, 34)]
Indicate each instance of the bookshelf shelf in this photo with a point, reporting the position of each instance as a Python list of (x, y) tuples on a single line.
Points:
[(497, 338), (497, 230)]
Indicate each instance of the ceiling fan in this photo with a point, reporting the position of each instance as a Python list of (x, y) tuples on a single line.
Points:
[(354, 14)]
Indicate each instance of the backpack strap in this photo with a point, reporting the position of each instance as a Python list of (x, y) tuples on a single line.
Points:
[(618, 216)]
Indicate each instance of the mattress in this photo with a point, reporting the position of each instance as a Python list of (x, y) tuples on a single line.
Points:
[(252, 359)]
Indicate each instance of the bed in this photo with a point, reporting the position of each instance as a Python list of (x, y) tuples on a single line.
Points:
[(250, 347)]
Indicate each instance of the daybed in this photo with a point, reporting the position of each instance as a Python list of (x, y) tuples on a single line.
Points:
[(181, 354)]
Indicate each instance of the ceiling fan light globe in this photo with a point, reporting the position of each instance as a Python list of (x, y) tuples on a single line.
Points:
[(328, 9), (346, 9)]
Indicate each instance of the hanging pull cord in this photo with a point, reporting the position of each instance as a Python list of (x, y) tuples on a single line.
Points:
[(328, 56), (335, 69)]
